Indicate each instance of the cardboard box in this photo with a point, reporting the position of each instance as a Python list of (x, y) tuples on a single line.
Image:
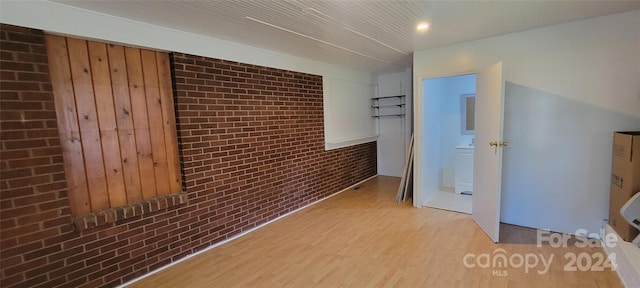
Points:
[(625, 179)]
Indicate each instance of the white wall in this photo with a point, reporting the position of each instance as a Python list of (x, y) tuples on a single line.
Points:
[(451, 130), (58, 18), (347, 114), (429, 128), (569, 86), (393, 138)]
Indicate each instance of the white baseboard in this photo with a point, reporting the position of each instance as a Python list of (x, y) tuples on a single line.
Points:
[(627, 257), (239, 235)]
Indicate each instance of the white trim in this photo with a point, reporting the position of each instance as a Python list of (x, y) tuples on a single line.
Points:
[(239, 235), (350, 142), (417, 140), (624, 252)]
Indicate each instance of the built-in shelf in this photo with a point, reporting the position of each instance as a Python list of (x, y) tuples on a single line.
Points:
[(388, 115), (388, 105), (394, 108), (385, 97)]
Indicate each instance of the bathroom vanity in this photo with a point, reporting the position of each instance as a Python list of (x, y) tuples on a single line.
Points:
[(464, 169)]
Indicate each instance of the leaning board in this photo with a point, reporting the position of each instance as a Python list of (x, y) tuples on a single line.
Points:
[(405, 173)]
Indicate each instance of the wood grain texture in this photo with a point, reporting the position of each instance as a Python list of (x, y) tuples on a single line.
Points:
[(68, 127), (141, 122), (169, 121), (156, 129), (88, 121), (117, 119), (362, 238), (107, 122), (124, 119)]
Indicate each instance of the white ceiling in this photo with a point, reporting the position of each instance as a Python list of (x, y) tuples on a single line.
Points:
[(376, 36)]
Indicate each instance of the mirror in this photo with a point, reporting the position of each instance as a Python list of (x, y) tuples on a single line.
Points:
[(467, 112)]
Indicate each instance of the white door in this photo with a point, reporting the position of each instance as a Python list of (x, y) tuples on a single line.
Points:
[(487, 165)]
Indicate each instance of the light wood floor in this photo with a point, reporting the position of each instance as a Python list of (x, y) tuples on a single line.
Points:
[(362, 238)]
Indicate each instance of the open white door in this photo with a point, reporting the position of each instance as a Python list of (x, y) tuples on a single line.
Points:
[(487, 162)]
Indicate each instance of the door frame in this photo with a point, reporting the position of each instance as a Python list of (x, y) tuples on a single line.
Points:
[(418, 118)]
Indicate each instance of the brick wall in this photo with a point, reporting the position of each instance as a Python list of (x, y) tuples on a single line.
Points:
[(251, 148)]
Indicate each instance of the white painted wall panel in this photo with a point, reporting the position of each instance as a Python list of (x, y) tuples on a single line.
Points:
[(391, 152), (349, 116)]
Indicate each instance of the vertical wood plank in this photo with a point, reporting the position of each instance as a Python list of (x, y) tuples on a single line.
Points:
[(141, 122), (169, 121), (68, 128), (107, 123), (156, 128), (88, 120), (124, 120)]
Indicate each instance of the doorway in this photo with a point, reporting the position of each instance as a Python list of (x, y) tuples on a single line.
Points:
[(487, 151), (449, 104)]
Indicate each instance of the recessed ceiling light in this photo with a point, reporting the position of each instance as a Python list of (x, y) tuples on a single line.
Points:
[(422, 26)]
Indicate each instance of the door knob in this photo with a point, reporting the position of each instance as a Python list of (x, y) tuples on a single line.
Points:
[(496, 144)]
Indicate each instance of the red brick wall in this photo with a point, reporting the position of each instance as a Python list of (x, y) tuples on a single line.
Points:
[(252, 149)]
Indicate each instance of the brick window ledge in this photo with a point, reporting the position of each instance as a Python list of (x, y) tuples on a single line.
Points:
[(113, 215)]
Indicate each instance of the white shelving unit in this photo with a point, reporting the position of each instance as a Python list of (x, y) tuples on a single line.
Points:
[(388, 106)]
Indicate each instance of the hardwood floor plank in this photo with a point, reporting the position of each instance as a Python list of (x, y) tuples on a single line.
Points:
[(362, 238)]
